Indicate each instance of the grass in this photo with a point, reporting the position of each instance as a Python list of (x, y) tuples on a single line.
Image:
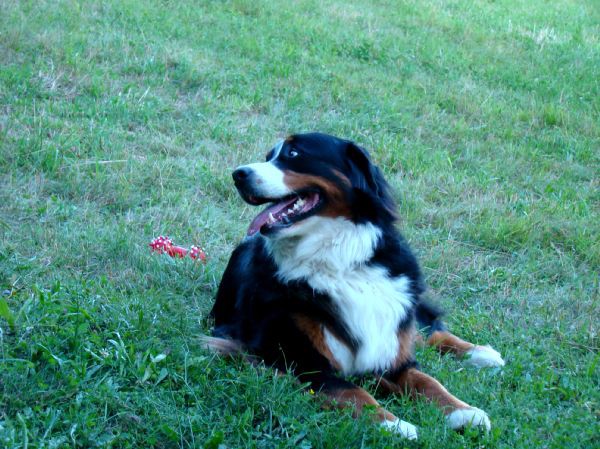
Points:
[(122, 120)]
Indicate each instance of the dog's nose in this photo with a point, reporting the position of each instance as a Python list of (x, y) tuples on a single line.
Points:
[(241, 174)]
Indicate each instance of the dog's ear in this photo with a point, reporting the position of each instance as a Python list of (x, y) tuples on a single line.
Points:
[(364, 173), (366, 178)]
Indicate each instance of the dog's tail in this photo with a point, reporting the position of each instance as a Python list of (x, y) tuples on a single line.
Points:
[(226, 347), (221, 346)]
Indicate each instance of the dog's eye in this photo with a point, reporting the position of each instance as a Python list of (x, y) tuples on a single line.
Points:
[(293, 153)]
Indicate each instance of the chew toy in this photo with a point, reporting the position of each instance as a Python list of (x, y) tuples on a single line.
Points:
[(164, 245)]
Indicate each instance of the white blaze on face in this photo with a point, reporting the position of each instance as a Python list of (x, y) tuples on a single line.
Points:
[(267, 178)]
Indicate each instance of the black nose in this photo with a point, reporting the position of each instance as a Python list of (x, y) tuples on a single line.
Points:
[(241, 174)]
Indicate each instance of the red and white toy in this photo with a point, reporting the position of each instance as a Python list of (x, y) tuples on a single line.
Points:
[(163, 244)]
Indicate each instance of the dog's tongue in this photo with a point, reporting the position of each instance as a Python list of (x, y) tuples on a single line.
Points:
[(263, 217)]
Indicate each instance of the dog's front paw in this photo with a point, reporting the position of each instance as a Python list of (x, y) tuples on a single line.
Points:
[(464, 417), (483, 357), (407, 430)]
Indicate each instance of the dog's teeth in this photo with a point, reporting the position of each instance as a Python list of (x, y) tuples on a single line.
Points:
[(290, 211), (271, 218)]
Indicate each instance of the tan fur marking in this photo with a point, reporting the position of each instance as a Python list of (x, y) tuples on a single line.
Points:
[(343, 178), (314, 331), (358, 398), (406, 346), (447, 342), (419, 340), (336, 203), (414, 382)]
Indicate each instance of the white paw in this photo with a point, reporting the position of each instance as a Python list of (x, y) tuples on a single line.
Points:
[(483, 357), (464, 417), (407, 430)]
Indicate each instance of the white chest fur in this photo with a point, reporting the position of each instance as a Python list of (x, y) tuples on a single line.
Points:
[(331, 254)]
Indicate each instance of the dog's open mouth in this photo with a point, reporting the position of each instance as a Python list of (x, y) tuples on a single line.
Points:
[(284, 212)]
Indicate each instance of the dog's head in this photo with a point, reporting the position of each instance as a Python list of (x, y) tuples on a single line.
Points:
[(310, 175)]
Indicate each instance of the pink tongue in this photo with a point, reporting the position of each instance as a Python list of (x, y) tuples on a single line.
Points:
[(263, 217)]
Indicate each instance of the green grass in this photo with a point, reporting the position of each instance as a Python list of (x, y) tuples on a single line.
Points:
[(121, 120)]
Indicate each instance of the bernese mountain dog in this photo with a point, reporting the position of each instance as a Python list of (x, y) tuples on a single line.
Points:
[(324, 286)]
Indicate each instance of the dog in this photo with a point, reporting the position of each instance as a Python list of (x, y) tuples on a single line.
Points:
[(324, 286)]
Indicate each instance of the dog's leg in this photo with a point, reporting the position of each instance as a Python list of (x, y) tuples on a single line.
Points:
[(340, 393), (458, 413), (475, 355), (429, 318)]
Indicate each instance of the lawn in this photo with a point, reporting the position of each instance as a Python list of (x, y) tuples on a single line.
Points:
[(122, 120)]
